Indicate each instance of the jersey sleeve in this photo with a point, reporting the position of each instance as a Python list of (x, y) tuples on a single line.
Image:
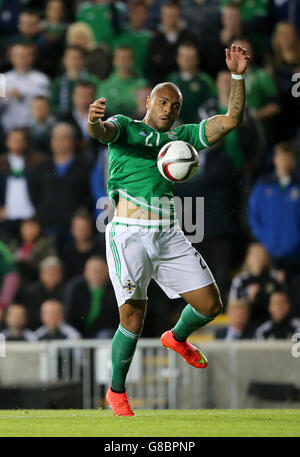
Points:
[(121, 122), (194, 134), (8, 264)]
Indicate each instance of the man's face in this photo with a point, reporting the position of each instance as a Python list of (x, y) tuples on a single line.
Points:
[(73, 60), (187, 58), (16, 317), (286, 35), (170, 16), (284, 161), (51, 276), (163, 108), (61, 142), (81, 229), (40, 109), (30, 231), (279, 306), (52, 314), (28, 25), (83, 97), (21, 57), (123, 59), (231, 17), (138, 16), (16, 142), (96, 272), (55, 11)]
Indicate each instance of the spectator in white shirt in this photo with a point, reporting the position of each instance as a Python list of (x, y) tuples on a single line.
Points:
[(23, 83), (16, 166), (15, 321), (54, 327)]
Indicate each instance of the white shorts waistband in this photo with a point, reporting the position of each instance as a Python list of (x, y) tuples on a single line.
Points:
[(144, 222)]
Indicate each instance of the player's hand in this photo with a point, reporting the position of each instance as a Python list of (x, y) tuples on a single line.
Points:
[(237, 59), (97, 109), (14, 93)]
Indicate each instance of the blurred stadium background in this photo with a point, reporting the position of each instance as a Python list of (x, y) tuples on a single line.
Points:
[(57, 307)]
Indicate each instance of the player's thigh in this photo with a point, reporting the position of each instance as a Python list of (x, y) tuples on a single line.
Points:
[(206, 300), (180, 267), (130, 268)]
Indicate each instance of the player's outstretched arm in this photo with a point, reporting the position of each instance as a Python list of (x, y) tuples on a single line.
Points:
[(217, 127), (104, 131)]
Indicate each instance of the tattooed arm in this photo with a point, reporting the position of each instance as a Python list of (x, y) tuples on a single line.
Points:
[(217, 127)]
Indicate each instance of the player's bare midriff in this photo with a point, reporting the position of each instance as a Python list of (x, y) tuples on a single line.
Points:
[(124, 209)]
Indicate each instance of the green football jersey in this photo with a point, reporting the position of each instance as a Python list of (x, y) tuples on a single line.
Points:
[(133, 172)]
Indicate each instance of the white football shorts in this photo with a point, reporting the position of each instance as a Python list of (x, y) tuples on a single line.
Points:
[(137, 252)]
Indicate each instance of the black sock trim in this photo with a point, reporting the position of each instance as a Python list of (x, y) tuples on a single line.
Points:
[(118, 391)]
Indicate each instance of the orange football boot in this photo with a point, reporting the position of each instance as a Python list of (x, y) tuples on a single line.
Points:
[(190, 353), (119, 403)]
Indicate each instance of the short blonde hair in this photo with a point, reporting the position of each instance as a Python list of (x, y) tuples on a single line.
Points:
[(251, 246), (84, 29), (51, 261)]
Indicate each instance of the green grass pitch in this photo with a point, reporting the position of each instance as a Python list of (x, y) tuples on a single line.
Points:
[(150, 423)]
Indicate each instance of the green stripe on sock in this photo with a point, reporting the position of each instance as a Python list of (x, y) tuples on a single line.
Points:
[(126, 332)]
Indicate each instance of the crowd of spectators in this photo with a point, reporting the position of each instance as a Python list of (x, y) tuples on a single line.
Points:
[(57, 57)]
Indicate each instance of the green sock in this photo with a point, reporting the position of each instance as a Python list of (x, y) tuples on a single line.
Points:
[(189, 321), (123, 348)]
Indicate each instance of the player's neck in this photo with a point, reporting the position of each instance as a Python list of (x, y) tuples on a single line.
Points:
[(148, 122)]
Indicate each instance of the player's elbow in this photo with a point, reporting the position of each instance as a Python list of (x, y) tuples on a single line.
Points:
[(234, 121)]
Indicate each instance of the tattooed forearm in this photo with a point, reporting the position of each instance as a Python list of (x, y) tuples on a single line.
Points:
[(217, 127), (237, 100), (213, 127)]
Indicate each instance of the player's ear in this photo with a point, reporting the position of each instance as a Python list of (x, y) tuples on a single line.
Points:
[(148, 102)]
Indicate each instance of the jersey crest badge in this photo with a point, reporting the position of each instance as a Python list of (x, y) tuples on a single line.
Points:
[(142, 133), (129, 286), (172, 135)]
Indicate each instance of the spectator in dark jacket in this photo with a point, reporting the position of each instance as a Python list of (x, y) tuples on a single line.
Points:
[(83, 95), (274, 211), (83, 245), (256, 282), (49, 286), (40, 125), (90, 301), (163, 46), (61, 186), (281, 325)]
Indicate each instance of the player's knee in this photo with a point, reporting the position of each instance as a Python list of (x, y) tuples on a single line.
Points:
[(217, 307), (214, 305), (133, 322)]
